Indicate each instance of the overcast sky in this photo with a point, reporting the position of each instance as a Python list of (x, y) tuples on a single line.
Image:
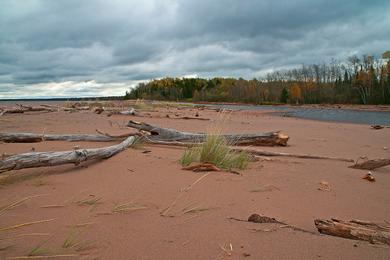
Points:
[(97, 48)]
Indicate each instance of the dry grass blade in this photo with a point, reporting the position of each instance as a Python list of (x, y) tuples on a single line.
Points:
[(40, 257), (264, 188), (26, 224), (38, 250), (89, 201), (126, 207), (84, 224), (227, 249), (52, 206), (85, 245), (71, 240), (26, 235), (195, 182), (166, 210), (17, 203), (196, 208), (3, 248)]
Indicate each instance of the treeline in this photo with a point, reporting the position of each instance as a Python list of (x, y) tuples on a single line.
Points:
[(364, 80)]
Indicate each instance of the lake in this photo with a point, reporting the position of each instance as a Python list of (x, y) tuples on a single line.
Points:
[(322, 114)]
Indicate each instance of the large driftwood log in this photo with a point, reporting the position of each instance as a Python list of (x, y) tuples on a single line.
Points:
[(34, 138), (42, 159), (166, 134), (371, 164), (355, 229)]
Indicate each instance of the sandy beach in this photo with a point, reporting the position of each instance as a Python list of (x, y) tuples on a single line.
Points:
[(80, 202)]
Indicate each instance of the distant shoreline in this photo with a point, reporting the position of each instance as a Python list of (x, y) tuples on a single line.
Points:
[(120, 98), (64, 99)]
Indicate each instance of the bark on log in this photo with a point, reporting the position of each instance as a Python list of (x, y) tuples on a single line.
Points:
[(42, 159), (355, 229), (166, 134), (11, 111), (34, 138), (371, 164)]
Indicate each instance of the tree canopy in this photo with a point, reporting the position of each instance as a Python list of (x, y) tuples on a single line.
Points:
[(359, 80)]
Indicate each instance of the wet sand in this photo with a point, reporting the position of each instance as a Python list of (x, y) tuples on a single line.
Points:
[(284, 188)]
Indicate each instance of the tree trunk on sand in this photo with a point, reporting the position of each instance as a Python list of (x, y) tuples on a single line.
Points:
[(42, 159), (372, 164), (355, 229), (166, 134), (34, 138)]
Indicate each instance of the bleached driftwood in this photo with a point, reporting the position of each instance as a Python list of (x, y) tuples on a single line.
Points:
[(42, 108), (34, 109), (34, 138), (42, 159), (355, 229), (11, 111), (372, 164), (166, 134)]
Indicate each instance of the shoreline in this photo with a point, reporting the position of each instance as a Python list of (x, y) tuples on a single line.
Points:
[(152, 178), (357, 107)]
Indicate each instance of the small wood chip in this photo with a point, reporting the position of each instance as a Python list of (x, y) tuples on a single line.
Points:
[(369, 177)]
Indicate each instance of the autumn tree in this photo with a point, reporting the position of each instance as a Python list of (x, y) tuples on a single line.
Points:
[(295, 93)]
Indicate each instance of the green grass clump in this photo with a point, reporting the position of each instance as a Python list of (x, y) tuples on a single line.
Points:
[(216, 149)]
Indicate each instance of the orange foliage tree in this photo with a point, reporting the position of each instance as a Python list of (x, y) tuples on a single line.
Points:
[(295, 93)]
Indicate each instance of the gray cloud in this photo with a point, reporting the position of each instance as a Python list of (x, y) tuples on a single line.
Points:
[(117, 43)]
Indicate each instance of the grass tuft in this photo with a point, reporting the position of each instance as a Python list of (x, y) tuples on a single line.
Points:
[(89, 201), (216, 149), (127, 207), (72, 239)]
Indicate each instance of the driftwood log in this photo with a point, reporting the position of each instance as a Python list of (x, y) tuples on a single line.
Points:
[(42, 108), (34, 109), (42, 159), (24, 108), (371, 164), (355, 229), (34, 138), (166, 135)]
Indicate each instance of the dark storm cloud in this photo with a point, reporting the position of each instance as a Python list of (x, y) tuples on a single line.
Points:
[(49, 45)]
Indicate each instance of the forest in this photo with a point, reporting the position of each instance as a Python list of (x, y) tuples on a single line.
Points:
[(358, 80)]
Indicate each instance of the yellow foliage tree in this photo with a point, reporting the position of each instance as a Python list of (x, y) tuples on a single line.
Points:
[(295, 93)]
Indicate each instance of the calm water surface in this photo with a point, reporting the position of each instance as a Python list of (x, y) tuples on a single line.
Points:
[(322, 114)]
